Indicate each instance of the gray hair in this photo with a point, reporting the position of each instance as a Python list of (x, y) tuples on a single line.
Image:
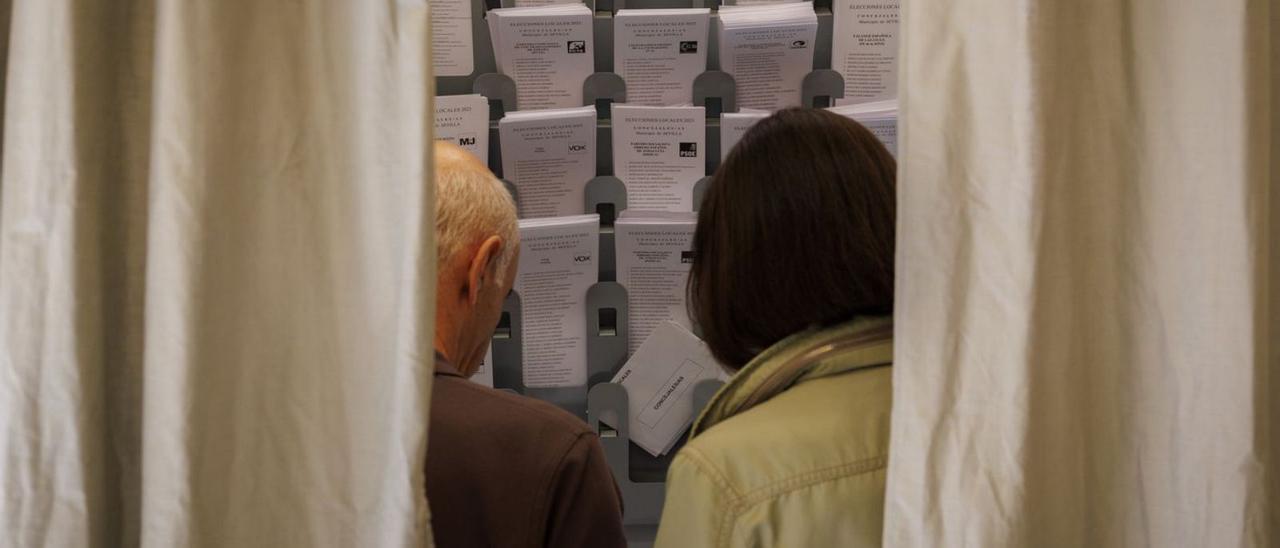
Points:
[(472, 204)]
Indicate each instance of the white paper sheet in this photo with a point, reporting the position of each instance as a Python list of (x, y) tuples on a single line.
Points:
[(549, 156), (659, 379), (733, 125), (452, 51), (659, 52), (864, 49), (464, 121), (659, 154), (654, 253), (768, 49), (484, 374), (546, 50), (558, 264), (881, 117)]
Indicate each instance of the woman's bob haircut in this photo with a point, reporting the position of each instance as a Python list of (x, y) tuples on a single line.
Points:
[(796, 230)]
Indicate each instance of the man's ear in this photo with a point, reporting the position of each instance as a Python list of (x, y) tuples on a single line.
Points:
[(484, 267)]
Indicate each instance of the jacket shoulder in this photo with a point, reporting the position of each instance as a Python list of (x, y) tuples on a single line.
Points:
[(813, 432), (459, 400), (816, 453), (535, 468)]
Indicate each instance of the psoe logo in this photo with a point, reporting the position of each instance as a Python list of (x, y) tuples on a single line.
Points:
[(686, 257), (577, 46), (799, 44), (577, 148), (688, 150), (582, 258)]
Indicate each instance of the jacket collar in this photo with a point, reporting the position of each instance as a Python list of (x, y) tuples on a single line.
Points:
[(810, 354), (444, 367)]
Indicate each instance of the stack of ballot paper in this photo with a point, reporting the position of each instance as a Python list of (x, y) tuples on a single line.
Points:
[(658, 53), (733, 125), (546, 50), (558, 264), (533, 3), (452, 53), (658, 153), (768, 49), (655, 251), (881, 117), (464, 121), (659, 379), (549, 155), (864, 49)]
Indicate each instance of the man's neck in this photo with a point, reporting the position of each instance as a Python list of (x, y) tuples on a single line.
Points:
[(448, 343), (445, 349)]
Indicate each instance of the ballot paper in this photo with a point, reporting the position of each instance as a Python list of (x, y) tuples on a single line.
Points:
[(535, 3), (452, 53), (881, 117), (557, 266), (549, 155), (655, 251), (733, 125), (546, 50), (658, 154), (768, 49), (864, 49), (464, 121), (659, 379), (484, 374), (659, 52)]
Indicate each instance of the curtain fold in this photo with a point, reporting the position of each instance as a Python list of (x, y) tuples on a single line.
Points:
[(215, 274), (1273, 313), (1086, 275)]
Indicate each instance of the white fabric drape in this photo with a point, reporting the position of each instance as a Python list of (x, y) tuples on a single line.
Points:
[(215, 274), (1086, 346)]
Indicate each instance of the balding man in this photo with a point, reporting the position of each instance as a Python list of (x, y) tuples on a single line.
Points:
[(502, 470)]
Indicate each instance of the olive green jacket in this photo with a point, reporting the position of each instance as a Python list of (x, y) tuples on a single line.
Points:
[(792, 451)]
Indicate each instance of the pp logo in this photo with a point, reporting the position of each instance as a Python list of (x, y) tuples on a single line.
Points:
[(577, 46), (688, 150), (799, 44), (689, 47), (577, 148)]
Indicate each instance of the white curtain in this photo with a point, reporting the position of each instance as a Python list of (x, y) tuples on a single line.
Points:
[(215, 273), (1088, 338)]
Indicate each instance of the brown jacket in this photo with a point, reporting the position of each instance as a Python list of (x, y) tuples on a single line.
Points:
[(506, 470)]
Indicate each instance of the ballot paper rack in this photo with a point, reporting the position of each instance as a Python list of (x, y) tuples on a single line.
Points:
[(713, 88), (603, 404), (485, 63)]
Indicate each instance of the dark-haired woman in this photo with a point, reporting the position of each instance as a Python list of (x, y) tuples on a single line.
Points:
[(792, 287)]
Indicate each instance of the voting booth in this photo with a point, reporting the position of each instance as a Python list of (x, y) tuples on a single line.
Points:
[(605, 120)]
